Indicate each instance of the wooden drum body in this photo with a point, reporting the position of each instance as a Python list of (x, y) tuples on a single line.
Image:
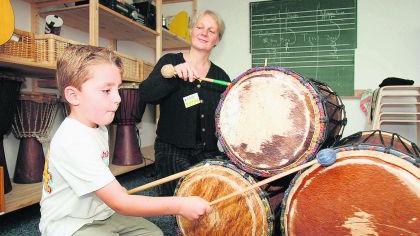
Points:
[(370, 190), (250, 215), (32, 121), (272, 119), (9, 92), (127, 148)]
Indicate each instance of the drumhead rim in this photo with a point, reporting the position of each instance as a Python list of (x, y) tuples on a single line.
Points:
[(234, 170), (320, 126)]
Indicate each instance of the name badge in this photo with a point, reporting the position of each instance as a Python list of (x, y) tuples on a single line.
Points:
[(191, 100)]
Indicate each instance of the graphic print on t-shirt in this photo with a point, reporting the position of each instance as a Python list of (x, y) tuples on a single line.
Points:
[(47, 178)]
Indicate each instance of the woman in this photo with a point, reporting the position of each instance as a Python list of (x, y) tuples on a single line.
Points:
[(186, 127)]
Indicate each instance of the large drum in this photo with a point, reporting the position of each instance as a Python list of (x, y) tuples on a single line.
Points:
[(273, 119), (370, 190), (32, 122), (9, 92), (127, 147), (249, 214)]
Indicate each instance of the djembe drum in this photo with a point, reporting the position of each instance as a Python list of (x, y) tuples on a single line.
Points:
[(248, 214), (372, 189), (272, 119), (9, 91), (127, 147), (32, 121)]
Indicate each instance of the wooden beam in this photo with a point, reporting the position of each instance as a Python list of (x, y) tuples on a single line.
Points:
[(94, 22)]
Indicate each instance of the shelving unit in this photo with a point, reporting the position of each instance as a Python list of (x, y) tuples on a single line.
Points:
[(23, 195), (98, 21)]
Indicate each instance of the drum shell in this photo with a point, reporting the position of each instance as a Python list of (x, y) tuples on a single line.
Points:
[(293, 134), (31, 124), (127, 148), (358, 192), (215, 179)]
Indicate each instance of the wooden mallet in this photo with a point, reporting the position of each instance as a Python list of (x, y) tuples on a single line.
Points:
[(165, 180), (325, 157), (168, 71)]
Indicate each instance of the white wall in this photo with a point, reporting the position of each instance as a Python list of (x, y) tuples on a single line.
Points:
[(388, 45)]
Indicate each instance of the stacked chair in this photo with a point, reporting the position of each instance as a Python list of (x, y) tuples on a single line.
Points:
[(397, 105)]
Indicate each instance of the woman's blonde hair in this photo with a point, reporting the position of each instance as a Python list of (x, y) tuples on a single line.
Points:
[(215, 16), (73, 65)]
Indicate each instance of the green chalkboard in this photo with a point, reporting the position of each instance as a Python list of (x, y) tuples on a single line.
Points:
[(316, 38)]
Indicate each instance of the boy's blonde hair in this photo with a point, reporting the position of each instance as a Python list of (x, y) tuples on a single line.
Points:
[(73, 65), (212, 14)]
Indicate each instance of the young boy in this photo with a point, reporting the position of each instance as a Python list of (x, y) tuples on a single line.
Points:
[(80, 195)]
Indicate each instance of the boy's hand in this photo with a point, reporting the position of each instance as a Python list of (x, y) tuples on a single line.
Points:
[(193, 207)]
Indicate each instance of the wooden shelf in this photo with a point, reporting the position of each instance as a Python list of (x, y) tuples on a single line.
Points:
[(171, 41), (23, 195), (112, 25), (26, 67)]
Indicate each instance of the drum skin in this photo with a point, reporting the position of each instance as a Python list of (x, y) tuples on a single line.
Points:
[(270, 120), (365, 192), (236, 216)]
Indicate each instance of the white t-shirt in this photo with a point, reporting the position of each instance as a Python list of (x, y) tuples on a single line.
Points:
[(76, 166)]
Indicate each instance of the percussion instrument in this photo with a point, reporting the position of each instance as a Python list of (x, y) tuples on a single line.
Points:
[(272, 119), (389, 142), (127, 147), (370, 190), (9, 90), (335, 111), (32, 121), (248, 214)]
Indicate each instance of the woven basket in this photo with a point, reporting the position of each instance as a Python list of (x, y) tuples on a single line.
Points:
[(132, 68), (49, 47), (21, 46), (147, 69)]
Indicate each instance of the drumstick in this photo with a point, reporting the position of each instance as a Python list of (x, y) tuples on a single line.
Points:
[(325, 157), (165, 180), (168, 71)]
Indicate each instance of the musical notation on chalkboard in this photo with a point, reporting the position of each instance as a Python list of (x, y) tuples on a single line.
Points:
[(316, 38)]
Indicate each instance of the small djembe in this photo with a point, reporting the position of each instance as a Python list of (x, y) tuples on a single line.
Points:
[(32, 121), (9, 91), (127, 147)]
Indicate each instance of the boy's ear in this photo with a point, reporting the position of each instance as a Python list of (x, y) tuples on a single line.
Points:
[(72, 95)]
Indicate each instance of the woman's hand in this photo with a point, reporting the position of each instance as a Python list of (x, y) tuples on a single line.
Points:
[(186, 72)]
